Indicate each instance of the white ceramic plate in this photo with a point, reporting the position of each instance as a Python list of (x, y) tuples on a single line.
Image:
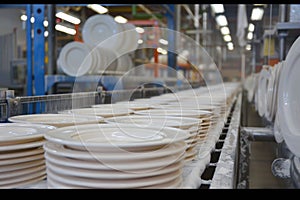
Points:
[(102, 112), (54, 184), (128, 105), (262, 91), (277, 130), (4, 183), (76, 59), (21, 160), (101, 136), (176, 183), (18, 166), (149, 121), (108, 174), (175, 113), (145, 165), (269, 95), (25, 183), (20, 153), (289, 99), (124, 63), (33, 144), (57, 120), (276, 84), (130, 40), (61, 150), (12, 174), (12, 133), (102, 30), (106, 183)]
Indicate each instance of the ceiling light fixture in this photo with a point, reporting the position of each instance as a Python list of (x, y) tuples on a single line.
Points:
[(248, 47), (217, 8), (67, 17), (65, 29), (163, 41), (140, 41), (250, 36), (230, 46), (221, 20), (227, 38), (257, 14), (139, 30), (225, 30), (120, 19), (23, 17), (251, 27), (98, 8)]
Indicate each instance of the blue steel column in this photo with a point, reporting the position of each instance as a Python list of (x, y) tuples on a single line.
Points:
[(170, 15), (29, 51), (39, 49), (39, 54)]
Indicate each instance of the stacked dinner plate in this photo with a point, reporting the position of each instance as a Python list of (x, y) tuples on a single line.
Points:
[(125, 104), (77, 59), (288, 105), (184, 123), (57, 120), (106, 111), (21, 154), (203, 116), (114, 156)]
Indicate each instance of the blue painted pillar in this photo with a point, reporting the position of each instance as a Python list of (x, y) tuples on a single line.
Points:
[(29, 51), (171, 22), (39, 49)]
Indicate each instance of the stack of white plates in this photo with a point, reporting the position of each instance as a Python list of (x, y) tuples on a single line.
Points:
[(21, 154), (114, 156), (57, 120), (77, 59), (204, 117), (125, 104), (102, 30), (288, 108), (130, 39), (264, 77), (272, 91), (124, 63), (107, 60), (184, 123), (102, 112)]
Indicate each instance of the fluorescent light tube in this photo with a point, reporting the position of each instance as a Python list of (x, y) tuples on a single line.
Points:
[(98, 8), (251, 27), (225, 30), (65, 29), (217, 8), (227, 38), (120, 19), (257, 14), (221, 20), (68, 18)]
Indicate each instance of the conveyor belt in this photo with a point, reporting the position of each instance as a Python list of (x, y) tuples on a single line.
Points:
[(218, 169)]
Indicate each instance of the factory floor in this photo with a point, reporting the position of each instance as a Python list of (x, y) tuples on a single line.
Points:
[(262, 155)]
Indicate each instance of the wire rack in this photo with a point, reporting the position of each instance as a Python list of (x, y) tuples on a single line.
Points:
[(11, 105)]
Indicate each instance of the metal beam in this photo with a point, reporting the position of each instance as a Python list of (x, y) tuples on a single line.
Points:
[(29, 51), (258, 133)]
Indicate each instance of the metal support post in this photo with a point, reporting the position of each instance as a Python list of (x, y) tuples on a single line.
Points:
[(171, 21), (39, 53), (29, 51)]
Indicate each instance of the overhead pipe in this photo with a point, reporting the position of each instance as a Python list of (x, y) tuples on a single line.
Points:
[(152, 14), (188, 10), (137, 15)]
